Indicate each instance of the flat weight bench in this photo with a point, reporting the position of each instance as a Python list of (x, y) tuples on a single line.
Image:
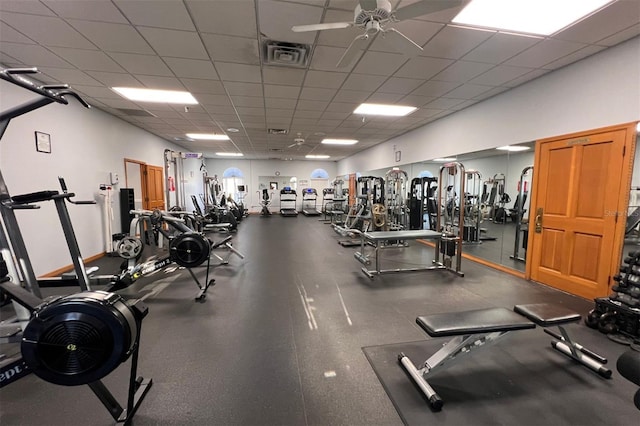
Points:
[(472, 330)]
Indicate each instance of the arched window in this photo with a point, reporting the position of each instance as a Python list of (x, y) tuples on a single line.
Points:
[(425, 173), (319, 174), (233, 183)]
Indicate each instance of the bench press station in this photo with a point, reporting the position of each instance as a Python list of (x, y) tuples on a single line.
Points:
[(471, 330)]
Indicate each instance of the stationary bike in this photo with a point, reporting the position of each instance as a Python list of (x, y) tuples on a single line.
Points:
[(265, 202)]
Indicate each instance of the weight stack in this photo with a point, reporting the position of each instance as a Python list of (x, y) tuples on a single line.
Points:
[(127, 203)]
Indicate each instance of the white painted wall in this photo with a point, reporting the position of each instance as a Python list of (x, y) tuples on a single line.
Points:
[(86, 146), (599, 91)]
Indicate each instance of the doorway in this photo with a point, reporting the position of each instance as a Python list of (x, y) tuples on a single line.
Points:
[(147, 182)]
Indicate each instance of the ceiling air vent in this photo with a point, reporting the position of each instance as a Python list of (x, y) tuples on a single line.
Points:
[(277, 131), (286, 54), (275, 149), (135, 112)]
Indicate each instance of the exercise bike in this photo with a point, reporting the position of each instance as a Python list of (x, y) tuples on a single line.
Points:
[(265, 202)]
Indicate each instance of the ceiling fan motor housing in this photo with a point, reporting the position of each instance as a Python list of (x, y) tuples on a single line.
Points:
[(382, 12)]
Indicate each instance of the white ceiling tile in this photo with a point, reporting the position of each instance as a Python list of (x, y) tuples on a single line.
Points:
[(444, 103), (120, 103), (304, 104), (380, 63), (191, 68), (141, 64), (96, 92), (232, 49), (203, 86), (243, 89), (282, 75), (426, 112), (9, 35), (574, 57), (340, 37), (163, 14), (23, 6), (454, 42), (111, 79), (468, 91), (384, 98), (500, 47), (400, 85), (113, 37), (546, 51), (34, 55), (94, 11), (277, 18), (209, 99), (279, 113), (161, 83), (236, 18), (351, 96), (423, 68), (335, 115), (416, 100), (88, 60), (435, 88), (239, 72), (526, 77), (248, 101), (462, 71), (621, 36), (325, 58), (307, 114), (46, 30), (279, 91), (612, 19), (315, 93), (249, 111), (363, 82), (468, 103), (279, 103), (70, 76), (324, 79), (500, 75), (487, 94), (179, 44)]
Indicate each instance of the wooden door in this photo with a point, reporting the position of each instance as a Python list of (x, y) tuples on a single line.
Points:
[(578, 209), (153, 188)]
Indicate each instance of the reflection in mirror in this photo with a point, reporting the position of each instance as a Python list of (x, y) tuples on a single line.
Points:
[(632, 225)]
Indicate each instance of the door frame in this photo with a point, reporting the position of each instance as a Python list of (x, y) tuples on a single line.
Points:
[(623, 196)]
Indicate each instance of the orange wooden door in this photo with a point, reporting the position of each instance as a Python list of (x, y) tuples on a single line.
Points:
[(153, 188), (578, 209)]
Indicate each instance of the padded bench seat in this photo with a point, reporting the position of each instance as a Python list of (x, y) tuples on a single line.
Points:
[(473, 322), (547, 314)]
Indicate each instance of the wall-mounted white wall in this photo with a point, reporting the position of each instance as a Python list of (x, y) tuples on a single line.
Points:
[(86, 144), (599, 91)]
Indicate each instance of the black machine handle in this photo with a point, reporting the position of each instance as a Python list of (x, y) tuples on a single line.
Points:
[(48, 91), (69, 195)]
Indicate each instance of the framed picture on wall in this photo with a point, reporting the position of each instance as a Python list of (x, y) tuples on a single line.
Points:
[(273, 185), (43, 142)]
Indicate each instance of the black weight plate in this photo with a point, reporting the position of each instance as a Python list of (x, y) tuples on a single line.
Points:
[(189, 250)]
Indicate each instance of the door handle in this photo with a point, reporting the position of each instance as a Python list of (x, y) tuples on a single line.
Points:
[(538, 220)]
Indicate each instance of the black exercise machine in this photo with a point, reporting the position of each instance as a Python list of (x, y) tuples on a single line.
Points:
[(422, 204), (628, 366), (310, 202), (472, 330), (288, 200)]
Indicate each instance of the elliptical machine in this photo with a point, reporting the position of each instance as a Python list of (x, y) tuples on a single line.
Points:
[(266, 200)]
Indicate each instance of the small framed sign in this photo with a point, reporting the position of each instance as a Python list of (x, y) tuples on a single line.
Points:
[(43, 142), (398, 156)]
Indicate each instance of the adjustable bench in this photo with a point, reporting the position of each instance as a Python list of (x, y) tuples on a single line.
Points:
[(472, 330)]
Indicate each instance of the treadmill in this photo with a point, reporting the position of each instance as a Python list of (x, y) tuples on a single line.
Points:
[(310, 202), (288, 200)]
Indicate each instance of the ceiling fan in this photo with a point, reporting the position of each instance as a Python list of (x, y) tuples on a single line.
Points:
[(372, 16), (297, 141)]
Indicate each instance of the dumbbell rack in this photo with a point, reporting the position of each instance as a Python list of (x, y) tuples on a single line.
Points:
[(620, 312)]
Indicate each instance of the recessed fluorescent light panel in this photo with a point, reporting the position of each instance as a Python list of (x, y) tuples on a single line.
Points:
[(317, 157), (444, 159), (513, 148), (208, 136), (388, 110), (541, 17), (339, 141), (151, 95), (229, 154)]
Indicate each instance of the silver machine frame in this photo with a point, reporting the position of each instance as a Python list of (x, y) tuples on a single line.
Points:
[(519, 212)]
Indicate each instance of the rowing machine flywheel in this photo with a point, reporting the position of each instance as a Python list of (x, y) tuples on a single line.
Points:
[(78, 339), (189, 249)]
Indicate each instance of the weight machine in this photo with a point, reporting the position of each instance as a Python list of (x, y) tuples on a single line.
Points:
[(397, 215), (472, 211), (422, 203), (518, 214)]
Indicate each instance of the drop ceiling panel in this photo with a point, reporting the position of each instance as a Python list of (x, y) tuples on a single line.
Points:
[(279, 103), (238, 72), (111, 79), (338, 37), (357, 96), (363, 82), (435, 88), (178, 44), (575, 56), (485, 95), (274, 14), (400, 85), (546, 51), (614, 18), (142, 64), (32, 7), (247, 101), (416, 100), (621, 36), (48, 31), (314, 93), (279, 91), (454, 43), (418, 31), (209, 99), (236, 18), (8, 34), (468, 91), (113, 37), (299, 114), (232, 49), (500, 47), (325, 58), (282, 75), (70, 76), (97, 92), (423, 68), (324, 79), (197, 85), (527, 77), (191, 68), (98, 10), (250, 111), (90, 60), (244, 89), (380, 63), (443, 103), (304, 104), (462, 71), (33, 55), (500, 75), (384, 98), (163, 14), (163, 83)]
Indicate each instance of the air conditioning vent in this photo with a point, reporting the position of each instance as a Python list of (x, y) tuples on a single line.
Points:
[(277, 131), (275, 149), (135, 112), (285, 54)]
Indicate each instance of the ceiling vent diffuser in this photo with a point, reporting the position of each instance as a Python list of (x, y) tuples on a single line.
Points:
[(273, 131), (286, 54)]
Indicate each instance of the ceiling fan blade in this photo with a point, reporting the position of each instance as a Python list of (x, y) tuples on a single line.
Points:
[(368, 4), (401, 42), (320, 27), (424, 7), (357, 44)]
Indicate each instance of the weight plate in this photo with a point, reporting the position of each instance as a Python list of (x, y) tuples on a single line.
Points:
[(189, 250), (130, 247)]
